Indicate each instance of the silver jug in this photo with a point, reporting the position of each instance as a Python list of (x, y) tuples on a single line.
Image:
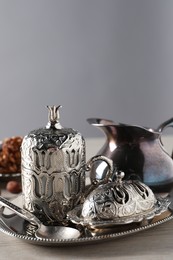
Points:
[(137, 151), (53, 169)]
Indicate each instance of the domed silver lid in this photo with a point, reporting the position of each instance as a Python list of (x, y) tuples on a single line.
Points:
[(119, 199), (117, 203)]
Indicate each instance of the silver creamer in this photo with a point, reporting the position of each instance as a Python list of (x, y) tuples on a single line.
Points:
[(53, 169)]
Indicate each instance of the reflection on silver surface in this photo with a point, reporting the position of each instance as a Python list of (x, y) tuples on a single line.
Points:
[(53, 169), (19, 230), (77, 217), (40, 230), (117, 203), (137, 151)]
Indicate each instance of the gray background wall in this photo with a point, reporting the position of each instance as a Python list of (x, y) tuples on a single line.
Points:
[(97, 58)]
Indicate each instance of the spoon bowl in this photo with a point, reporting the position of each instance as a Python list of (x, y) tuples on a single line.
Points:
[(42, 231)]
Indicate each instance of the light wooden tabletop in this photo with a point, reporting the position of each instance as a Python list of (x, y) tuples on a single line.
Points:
[(154, 243)]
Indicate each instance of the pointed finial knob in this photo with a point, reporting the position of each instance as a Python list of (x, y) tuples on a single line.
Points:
[(53, 117)]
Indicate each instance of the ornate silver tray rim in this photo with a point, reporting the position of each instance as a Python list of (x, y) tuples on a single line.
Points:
[(87, 239)]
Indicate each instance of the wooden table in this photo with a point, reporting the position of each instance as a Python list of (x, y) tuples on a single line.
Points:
[(155, 243)]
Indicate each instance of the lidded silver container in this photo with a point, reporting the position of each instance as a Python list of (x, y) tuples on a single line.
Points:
[(117, 203), (53, 169)]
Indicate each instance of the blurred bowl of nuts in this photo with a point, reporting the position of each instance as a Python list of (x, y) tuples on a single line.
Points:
[(10, 163)]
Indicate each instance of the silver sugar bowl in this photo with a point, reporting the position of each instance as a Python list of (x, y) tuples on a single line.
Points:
[(53, 169)]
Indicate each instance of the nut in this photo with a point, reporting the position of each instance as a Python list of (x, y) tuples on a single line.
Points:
[(14, 187)]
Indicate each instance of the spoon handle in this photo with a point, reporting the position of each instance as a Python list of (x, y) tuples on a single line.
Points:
[(20, 212)]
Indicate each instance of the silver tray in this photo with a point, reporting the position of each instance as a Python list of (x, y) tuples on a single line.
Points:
[(19, 230)]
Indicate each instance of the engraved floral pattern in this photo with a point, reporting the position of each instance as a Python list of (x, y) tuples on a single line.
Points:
[(112, 200), (53, 175)]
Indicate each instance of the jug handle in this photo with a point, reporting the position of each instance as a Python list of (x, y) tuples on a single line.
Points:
[(168, 123), (164, 125)]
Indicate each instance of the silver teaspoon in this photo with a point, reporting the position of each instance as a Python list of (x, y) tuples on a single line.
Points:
[(43, 231)]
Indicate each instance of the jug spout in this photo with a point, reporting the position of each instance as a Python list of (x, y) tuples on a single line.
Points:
[(106, 126), (119, 133)]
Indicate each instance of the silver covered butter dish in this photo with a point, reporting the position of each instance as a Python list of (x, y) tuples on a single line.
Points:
[(118, 203)]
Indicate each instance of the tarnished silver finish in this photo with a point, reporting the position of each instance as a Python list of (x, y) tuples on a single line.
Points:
[(53, 169), (117, 203), (137, 151)]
